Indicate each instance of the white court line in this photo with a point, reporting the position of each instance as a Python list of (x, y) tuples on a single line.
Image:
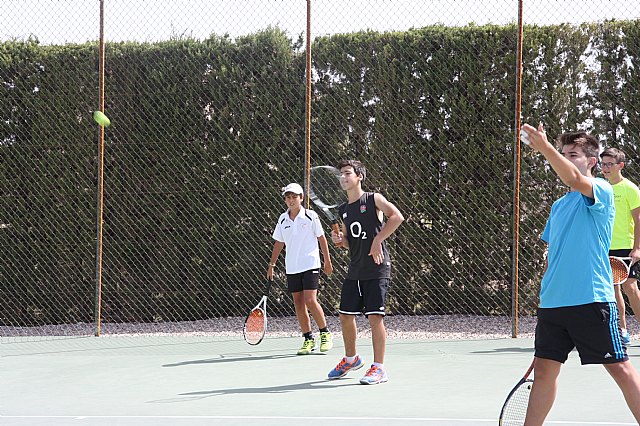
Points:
[(404, 419)]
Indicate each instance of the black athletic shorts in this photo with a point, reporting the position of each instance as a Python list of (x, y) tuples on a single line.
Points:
[(633, 269), (307, 280), (593, 329), (368, 296)]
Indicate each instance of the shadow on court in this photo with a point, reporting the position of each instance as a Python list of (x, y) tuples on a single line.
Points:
[(196, 381), (222, 358), (314, 385), (511, 350)]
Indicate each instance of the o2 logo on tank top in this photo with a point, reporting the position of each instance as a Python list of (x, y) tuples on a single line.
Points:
[(357, 232)]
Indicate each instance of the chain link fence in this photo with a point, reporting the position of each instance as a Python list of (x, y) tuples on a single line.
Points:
[(207, 104)]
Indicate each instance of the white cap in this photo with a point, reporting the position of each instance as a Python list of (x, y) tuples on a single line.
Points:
[(293, 187)]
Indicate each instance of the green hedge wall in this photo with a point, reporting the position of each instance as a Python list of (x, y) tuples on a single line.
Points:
[(205, 133)]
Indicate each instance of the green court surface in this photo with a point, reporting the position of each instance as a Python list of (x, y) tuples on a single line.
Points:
[(223, 381)]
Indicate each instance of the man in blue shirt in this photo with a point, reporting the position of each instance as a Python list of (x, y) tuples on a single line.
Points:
[(577, 301)]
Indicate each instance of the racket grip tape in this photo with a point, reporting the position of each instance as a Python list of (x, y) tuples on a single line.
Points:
[(336, 229)]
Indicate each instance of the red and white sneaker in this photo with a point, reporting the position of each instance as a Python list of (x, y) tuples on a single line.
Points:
[(374, 375)]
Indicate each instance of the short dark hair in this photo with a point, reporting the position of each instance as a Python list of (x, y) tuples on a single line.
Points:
[(358, 167), (589, 144), (614, 153)]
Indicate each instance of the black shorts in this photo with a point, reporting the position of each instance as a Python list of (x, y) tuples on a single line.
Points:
[(307, 280), (368, 296), (633, 269), (593, 329)]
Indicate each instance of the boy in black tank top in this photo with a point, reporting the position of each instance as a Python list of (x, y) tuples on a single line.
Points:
[(362, 223), (365, 288)]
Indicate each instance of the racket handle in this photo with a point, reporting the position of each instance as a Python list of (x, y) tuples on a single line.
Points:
[(336, 229)]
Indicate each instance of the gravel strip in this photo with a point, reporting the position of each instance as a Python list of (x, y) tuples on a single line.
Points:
[(398, 327)]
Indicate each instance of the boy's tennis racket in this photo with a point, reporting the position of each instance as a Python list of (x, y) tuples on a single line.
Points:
[(326, 193), (255, 326), (620, 269), (514, 409)]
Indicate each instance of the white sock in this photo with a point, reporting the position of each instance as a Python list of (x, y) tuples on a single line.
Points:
[(380, 366), (351, 358)]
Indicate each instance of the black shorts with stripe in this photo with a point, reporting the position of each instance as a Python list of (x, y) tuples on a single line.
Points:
[(364, 296), (307, 280), (593, 329)]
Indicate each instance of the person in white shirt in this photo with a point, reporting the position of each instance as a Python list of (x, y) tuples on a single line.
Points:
[(300, 231)]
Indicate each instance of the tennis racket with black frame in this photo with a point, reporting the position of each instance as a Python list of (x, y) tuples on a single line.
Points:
[(255, 325), (514, 409), (326, 193), (620, 267)]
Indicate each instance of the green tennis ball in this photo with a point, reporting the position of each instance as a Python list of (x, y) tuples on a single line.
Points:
[(101, 119)]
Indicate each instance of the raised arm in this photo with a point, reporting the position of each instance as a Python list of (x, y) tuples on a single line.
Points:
[(568, 172)]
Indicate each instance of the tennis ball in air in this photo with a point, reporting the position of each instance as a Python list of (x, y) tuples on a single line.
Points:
[(101, 119)]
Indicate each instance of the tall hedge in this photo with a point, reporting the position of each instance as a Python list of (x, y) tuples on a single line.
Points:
[(205, 132)]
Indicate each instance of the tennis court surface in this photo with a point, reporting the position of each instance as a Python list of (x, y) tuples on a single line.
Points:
[(223, 381)]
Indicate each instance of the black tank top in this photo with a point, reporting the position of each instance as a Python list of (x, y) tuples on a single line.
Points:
[(361, 221)]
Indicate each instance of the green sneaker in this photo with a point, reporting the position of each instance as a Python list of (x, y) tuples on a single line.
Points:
[(308, 346), (326, 341)]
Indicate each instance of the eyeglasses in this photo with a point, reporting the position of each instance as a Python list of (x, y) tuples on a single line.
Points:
[(608, 165)]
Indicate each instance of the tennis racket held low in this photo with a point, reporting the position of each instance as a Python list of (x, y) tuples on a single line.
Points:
[(620, 268), (255, 325), (514, 409)]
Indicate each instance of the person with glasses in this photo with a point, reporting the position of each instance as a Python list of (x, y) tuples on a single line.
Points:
[(626, 230)]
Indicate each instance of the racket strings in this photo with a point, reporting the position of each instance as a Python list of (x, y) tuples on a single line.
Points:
[(619, 270), (255, 326), (515, 409), (325, 186)]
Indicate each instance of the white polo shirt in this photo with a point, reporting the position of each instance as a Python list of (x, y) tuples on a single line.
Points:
[(300, 237)]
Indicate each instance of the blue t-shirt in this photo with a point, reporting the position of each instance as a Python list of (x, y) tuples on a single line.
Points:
[(578, 232)]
